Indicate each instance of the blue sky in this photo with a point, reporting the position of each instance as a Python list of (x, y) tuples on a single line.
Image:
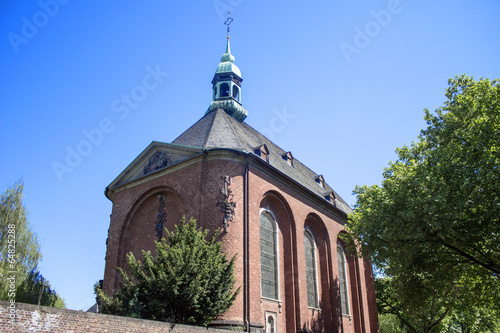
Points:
[(340, 84)]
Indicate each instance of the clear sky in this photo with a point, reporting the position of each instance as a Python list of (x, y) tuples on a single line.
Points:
[(340, 84)]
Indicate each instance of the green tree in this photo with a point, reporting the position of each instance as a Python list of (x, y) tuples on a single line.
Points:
[(35, 289), (418, 305), (475, 319), (471, 320), (433, 227), (389, 323), (20, 254), (188, 281), (19, 247)]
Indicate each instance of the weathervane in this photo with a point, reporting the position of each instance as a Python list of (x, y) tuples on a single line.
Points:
[(228, 22)]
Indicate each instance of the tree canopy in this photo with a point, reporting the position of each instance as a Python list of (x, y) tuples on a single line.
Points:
[(35, 289), (20, 254), (189, 280), (432, 228), (19, 247)]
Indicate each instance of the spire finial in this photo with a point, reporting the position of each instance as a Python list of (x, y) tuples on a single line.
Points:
[(228, 22)]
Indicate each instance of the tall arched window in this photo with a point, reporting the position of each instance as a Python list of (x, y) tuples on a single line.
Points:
[(344, 295), (312, 289), (268, 256)]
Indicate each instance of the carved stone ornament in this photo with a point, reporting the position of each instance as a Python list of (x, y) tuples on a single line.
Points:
[(161, 218), (225, 202), (157, 161)]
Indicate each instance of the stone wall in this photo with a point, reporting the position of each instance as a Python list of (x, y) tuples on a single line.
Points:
[(32, 318)]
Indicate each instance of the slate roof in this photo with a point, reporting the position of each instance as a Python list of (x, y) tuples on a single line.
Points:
[(217, 129), (93, 309)]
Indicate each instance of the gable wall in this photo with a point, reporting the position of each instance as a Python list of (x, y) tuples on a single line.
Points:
[(192, 191)]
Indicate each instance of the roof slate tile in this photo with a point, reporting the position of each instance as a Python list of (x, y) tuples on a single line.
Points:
[(217, 129)]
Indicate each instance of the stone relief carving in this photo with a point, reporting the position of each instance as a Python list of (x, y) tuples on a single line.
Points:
[(157, 161), (161, 218), (225, 202)]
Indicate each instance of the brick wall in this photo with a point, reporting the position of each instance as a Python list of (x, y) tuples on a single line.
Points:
[(33, 318), (193, 190)]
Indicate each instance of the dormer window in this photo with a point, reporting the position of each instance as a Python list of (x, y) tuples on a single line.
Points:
[(263, 152), (330, 198), (288, 158), (321, 181)]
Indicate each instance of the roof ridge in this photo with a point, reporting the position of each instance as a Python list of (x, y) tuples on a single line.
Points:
[(230, 119), (210, 127), (200, 129)]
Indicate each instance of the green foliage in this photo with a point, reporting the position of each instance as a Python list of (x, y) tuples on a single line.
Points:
[(433, 227), (419, 307), (389, 323), (188, 281), (35, 289), (20, 254), (19, 247), (477, 320)]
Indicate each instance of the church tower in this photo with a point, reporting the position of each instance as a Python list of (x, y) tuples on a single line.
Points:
[(280, 218), (226, 85)]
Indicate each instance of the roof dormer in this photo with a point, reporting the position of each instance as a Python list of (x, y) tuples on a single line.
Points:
[(320, 180), (262, 152), (330, 197), (288, 158)]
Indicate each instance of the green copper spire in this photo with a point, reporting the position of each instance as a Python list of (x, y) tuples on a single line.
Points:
[(226, 85), (226, 64), (227, 56)]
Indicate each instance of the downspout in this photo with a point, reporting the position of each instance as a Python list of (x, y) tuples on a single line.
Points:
[(246, 287)]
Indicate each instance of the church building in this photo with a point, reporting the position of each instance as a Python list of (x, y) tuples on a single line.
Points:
[(281, 219)]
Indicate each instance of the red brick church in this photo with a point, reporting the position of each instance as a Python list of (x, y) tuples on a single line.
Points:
[(281, 218)]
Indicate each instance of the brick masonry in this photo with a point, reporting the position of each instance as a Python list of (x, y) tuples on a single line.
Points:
[(33, 318), (193, 191)]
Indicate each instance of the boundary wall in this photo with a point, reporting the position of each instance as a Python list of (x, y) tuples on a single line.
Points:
[(20, 317)]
